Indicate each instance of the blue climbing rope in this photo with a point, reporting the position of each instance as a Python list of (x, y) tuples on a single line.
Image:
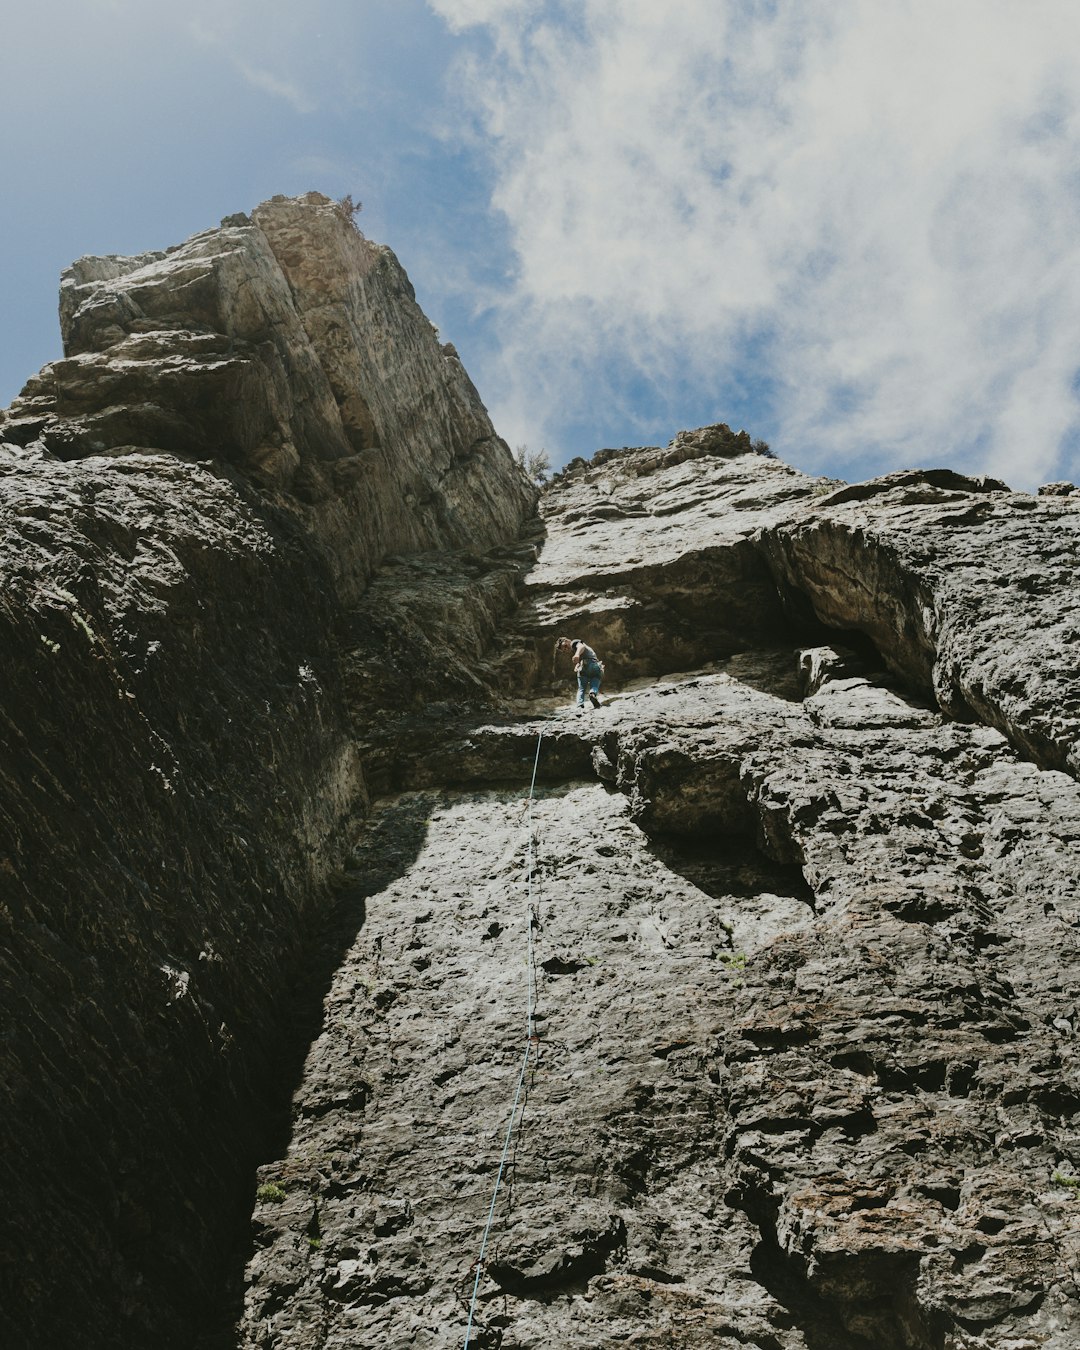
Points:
[(530, 1041)]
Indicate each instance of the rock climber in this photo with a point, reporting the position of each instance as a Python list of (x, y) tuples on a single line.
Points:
[(587, 666)]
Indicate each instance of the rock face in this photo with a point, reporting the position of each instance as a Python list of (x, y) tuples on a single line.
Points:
[(805, 947), (775, 976), (192, 503), (656, 558)]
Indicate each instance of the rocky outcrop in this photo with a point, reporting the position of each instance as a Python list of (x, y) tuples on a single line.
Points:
[(291, 347), (805, 951), (969, 591), (193, 503)]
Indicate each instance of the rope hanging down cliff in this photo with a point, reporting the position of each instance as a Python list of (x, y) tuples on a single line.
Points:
[(530, 1041)]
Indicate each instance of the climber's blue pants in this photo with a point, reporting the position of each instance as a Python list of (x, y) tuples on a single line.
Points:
[(588, 681)]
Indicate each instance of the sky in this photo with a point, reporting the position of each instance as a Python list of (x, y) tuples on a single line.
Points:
[(852, 228)]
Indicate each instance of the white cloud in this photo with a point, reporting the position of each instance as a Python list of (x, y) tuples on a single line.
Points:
[(869, 213)]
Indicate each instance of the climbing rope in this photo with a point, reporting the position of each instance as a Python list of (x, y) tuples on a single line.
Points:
[(530, 1041)]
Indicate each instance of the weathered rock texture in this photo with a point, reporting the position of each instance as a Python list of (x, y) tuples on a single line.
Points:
[(806, 946), (192, 503), (277, 643)]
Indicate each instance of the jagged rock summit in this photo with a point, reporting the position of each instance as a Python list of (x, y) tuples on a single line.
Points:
[(278, 621)]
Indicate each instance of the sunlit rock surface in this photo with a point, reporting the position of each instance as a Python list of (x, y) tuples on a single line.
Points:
[(805, 947)]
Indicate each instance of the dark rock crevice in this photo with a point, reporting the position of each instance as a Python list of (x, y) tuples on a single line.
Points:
[(863, 1305)]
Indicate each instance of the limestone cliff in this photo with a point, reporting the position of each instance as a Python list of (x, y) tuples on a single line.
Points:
[(278, 621)]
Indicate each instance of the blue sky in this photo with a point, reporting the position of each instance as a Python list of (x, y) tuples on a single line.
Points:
[(852, 228)]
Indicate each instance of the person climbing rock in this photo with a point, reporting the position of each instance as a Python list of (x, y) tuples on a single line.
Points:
[(587, 666)]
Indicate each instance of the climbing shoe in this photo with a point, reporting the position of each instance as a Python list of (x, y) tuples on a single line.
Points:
[(594, 700)]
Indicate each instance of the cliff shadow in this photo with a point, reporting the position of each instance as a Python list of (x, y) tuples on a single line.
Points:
[(387, 846)]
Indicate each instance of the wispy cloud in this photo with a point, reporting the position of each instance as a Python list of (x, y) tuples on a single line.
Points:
[(235, 39), (862, 220), (278, 86)]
